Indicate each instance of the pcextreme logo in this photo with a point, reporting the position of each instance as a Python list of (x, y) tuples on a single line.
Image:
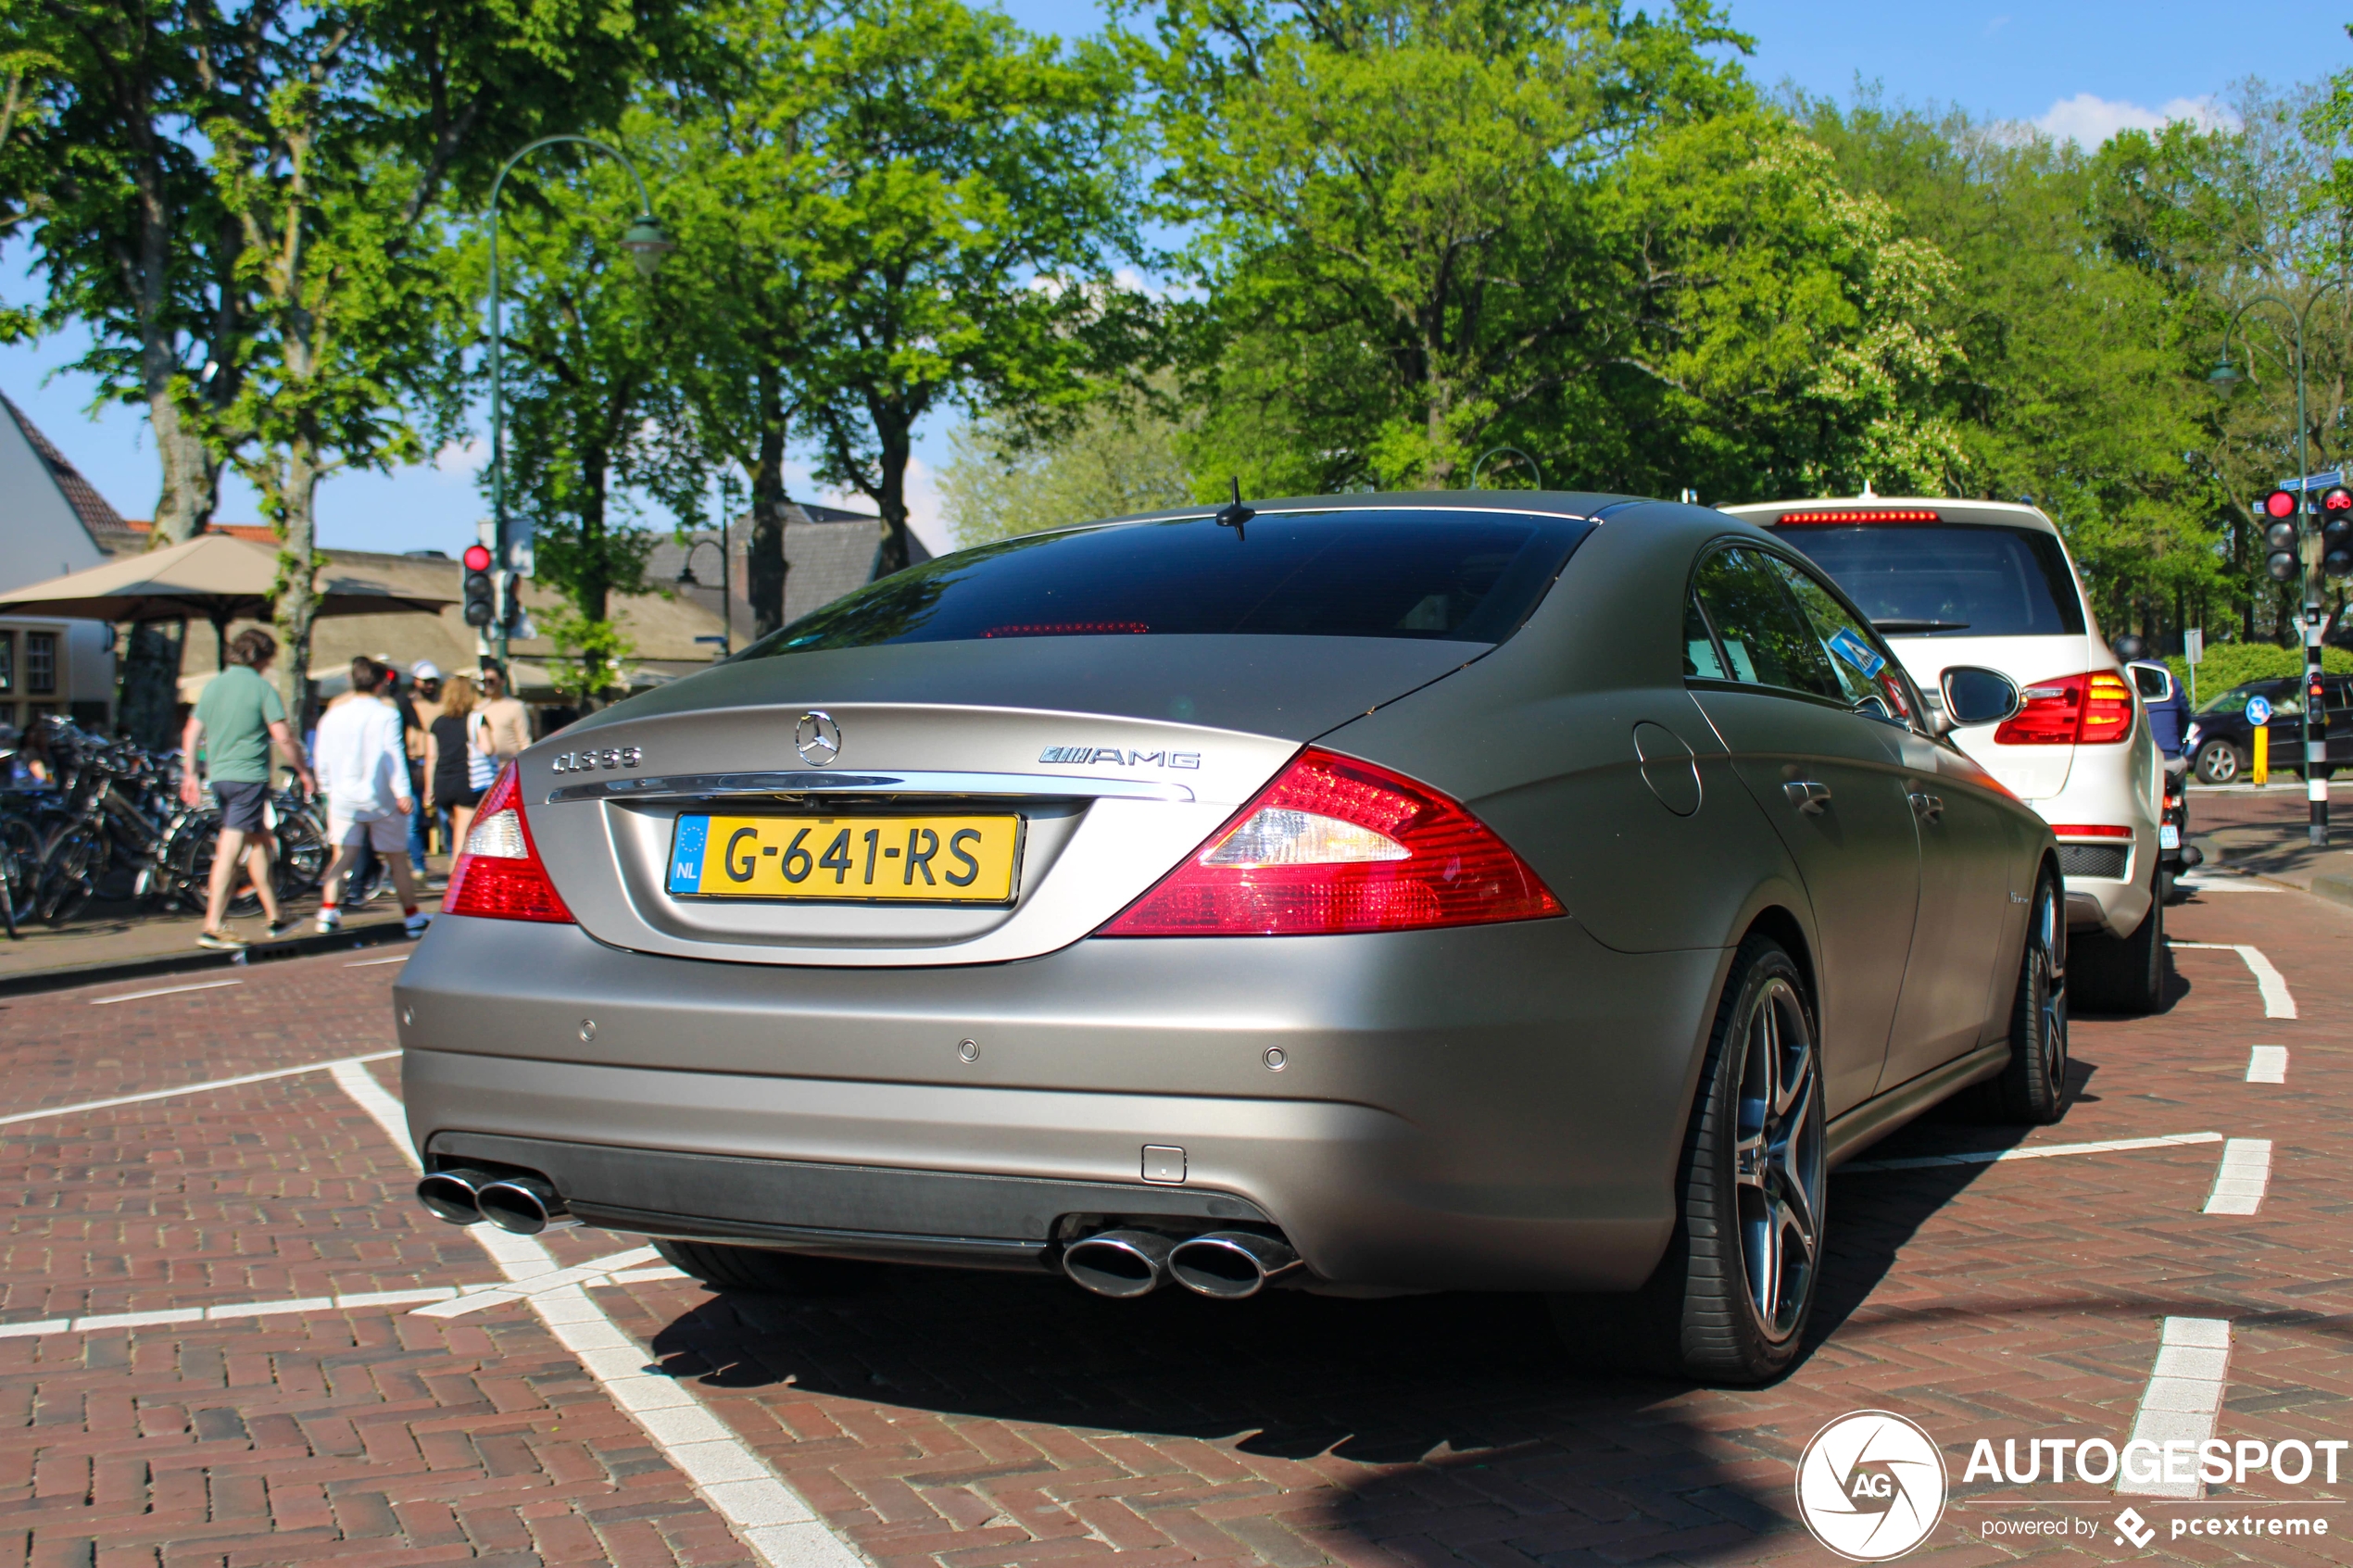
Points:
[(1870, 1486)]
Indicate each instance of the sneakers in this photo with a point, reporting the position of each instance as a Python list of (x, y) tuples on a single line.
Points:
[(220, 942), (415, 924), (329, 920), (281, 927)]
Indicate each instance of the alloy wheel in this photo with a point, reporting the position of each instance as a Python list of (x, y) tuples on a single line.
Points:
[(1777, 1161), (2046, 936)]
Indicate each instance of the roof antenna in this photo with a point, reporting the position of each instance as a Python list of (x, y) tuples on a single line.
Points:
[(1869, 494), (1233, 514)]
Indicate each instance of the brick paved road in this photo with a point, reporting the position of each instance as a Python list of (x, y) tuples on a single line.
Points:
[(974, 1420)]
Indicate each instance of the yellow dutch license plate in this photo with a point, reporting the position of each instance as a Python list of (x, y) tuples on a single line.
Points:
[(929, 860)]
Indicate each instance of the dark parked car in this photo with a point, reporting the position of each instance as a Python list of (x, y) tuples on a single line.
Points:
[(2222, 743), (1394, 892)]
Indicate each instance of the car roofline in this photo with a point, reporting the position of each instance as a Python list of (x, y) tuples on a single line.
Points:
[(1583, 506), (1983, 514)]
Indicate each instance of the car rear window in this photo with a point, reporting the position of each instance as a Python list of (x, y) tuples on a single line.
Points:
[(1933, 580), (1468, 577)]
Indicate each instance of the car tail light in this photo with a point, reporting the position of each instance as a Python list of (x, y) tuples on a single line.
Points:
[(2088, 830), (2095, 708), (1874, 514), (1333, 846), (497, 873)]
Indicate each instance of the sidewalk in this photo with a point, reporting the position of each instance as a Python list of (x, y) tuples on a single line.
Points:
[(2264, 833), (117, 941)]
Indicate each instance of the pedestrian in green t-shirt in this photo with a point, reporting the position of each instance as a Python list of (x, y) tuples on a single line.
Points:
[(236, 719)]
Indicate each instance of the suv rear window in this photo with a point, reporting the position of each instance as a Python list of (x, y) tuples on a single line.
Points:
[(1468, 577), (1931, 579)]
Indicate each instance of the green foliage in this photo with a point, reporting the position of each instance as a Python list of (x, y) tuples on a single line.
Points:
[(592, 656), (1118, 457), (2229, 664)]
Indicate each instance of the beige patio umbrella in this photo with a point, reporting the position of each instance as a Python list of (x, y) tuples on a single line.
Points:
[(213, 576)]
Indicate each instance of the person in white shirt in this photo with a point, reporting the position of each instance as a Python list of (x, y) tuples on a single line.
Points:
[(362, 761)]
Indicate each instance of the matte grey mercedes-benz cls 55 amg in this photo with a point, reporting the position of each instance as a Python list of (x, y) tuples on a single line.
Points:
[(1501, 891)]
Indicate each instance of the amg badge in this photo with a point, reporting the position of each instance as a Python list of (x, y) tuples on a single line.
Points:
[(1114, 756)]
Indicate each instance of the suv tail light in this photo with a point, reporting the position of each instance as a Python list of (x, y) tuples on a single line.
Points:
[(1335, 845), (496, 873), (2093, 709)]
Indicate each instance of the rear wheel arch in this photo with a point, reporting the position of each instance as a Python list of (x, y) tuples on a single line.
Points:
[(1779, 923)]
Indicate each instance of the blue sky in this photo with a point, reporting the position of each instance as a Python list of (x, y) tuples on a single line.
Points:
[(2081, 69)]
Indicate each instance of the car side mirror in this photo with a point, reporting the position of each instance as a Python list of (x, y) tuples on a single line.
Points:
[(1975, 695), (2156, 682)]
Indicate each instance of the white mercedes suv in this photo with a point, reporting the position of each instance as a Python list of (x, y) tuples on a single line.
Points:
[(1989, 583)]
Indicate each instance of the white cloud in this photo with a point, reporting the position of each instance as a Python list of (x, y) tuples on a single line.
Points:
[(2089, 120), (466, 456), (1995, 26)]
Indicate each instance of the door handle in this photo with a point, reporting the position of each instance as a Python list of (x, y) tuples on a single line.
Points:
[(1807, 797), (1929, 807)]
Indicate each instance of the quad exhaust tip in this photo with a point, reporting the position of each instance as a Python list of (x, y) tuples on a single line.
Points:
[(523, 1205), (1227, 1265)]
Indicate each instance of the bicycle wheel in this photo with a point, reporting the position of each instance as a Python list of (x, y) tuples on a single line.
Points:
[(303, 853), (187, 860), (21, 854), (68, 878)]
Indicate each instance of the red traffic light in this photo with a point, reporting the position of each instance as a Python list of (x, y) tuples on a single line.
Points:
[(477, 557), (2336, 500), (2279, 503)]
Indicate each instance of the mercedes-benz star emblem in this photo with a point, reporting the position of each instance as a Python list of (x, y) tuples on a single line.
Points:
[(817, 738)]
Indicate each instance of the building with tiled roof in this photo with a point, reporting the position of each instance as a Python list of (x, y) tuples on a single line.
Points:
[(828, 552)]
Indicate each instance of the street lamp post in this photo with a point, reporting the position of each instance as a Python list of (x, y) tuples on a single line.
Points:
[(686, 578), (2316, 773), (647, 243), (1498, 451)]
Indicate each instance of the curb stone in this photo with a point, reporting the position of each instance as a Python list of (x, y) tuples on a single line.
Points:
[(372, 935)]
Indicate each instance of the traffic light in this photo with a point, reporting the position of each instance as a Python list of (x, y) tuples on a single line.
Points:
[(2336, 531), (482, 593), (2279, 536)]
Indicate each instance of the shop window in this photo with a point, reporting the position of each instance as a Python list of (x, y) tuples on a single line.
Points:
[(9, 662), (40, 661)]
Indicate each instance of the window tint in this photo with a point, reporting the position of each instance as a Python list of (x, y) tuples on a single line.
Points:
[(1867, 671), (1455, 576), (1949, 580), (1700, 658), (1765, 637)]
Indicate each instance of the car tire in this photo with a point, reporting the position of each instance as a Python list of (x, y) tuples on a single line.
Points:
[(760, 1270), (2120, 973), (2033, 1088), (2218, 762), (1730, 1302)]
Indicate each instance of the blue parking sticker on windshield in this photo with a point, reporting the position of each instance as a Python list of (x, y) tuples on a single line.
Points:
[(685, 855), (1856, 652)]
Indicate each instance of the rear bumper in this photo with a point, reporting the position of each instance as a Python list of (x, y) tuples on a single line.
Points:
[(1494, 1107)]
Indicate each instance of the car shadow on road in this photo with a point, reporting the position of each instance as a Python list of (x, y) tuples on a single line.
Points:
[(1459, 1418)]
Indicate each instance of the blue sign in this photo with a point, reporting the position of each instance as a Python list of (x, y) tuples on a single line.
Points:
[(2259, 710), (1851, 647), (2314, 480)]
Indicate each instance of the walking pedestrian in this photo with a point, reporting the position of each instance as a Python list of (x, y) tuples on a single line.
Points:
[(504, 719), (365, 767), (413, 757), (454, 769), (235, 723), (424, 699)]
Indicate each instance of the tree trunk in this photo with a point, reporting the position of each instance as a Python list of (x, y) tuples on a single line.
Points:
[(148, 707), (191, 472), (298, 578), (764, 565), (891, 555)]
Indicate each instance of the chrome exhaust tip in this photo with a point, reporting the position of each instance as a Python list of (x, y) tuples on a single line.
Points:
[(452, 1195), (1230, 1265), (524, 1205), (1118, 1264)]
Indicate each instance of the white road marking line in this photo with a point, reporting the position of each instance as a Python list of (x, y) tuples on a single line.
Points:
[(363, 964), (162, 991), (194, 1088), (590, 1272), (2239, 1181), (2225, 885), (647, 1276), (2183, 1399), (348, 1302), (2267, 1064), (2277, 1003), (2035, 1151), (765, 1511)]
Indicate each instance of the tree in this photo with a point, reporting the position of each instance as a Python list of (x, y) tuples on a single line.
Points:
[(968, 195), (1120, 456), (1400, 255)]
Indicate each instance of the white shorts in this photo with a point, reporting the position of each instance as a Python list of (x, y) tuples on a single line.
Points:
[(386, 836)]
